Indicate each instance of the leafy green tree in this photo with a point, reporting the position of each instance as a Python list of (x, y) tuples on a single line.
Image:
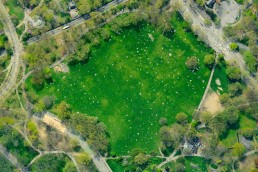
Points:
[(141, 159), (234, 46), (192, 63), (224, 98), (248, 133), (238, 149), (209, 60), (251, 61), (233, 73), (181, 118), (235, 88), (63, 111), (163, 121)]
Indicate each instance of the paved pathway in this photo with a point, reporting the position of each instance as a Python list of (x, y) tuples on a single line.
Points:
[(10, 81)]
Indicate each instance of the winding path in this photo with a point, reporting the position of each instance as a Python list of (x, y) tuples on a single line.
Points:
[(11, 77)]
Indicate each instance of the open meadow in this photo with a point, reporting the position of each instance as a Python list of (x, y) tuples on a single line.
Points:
[(133, 80)]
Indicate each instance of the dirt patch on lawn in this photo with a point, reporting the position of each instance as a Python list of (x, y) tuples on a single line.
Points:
[(62, 68), (211, 103), (54, 122)]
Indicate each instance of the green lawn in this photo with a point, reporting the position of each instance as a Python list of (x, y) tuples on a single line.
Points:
[(131, 81), (5, 165), (53, 163), (220, 74)]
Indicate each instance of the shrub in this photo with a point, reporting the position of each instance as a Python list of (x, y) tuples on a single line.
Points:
[(192, 63), (234, 47)]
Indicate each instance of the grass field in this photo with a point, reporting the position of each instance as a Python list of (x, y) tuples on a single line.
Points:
[(132, 81), (5, 165), (59, 163)]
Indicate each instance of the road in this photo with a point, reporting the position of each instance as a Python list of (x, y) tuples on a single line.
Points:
[(76, 22), (14, 67), (212, 36), (98, 160)]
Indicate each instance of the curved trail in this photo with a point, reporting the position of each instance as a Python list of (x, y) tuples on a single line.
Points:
[(10, 81)]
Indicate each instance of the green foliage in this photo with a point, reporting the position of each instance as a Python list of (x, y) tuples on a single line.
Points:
[(235, 89), (209, 60), (16, 144), (251, 61), (32, 131), (238, 149), (240, 1), (224, 98), (233, 73), (234, 46), (248, 133), (192, 63), (181, 118), (5, 165), (90, 128), (63, 111), (53, 163)]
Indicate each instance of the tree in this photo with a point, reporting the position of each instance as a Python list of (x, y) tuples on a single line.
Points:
[(141, 159), (224, 98), (163, 121), (235, 89), (39, 107), (181, 118), (238, 149), (233, 73), (63, 111), (192, 63), (200, 2), (209, 60), (251, 61), (234, 46), (247, 133)]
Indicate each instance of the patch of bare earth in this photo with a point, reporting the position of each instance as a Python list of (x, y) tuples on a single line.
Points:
[(211, 103), (52, 121)]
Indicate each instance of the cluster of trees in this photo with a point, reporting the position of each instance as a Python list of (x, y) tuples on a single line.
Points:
[(53, 13), (86, 6), (172, 136), (138, 161), (88, 127)]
